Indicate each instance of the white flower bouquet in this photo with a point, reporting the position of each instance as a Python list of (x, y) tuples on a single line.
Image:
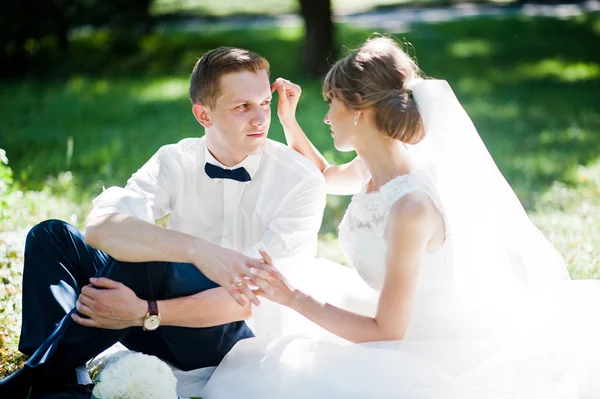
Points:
[(132, 375)]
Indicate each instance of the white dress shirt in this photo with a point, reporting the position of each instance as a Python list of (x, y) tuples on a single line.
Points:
[(280, 209)]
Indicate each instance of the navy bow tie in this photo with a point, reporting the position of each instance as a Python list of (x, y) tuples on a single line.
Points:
[(216, 172)]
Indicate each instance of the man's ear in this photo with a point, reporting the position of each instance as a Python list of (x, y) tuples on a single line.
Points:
[(199, 111)]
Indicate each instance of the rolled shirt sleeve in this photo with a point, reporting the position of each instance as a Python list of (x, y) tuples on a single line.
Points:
[(149, 192)]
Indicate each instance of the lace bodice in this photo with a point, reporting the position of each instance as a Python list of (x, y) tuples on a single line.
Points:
[(363, 239)]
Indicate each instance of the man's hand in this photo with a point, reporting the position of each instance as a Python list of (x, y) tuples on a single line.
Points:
[(110, 305), (289, 95), (235, 272)]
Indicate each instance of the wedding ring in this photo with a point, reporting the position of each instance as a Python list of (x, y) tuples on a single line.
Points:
[(237, 280)]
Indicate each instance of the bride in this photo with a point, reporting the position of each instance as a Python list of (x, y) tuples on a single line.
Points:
[(471, 299)]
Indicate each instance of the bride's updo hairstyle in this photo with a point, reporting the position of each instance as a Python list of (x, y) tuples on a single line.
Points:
[(375, 76)]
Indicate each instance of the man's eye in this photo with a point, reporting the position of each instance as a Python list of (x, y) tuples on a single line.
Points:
[(267, 102), (243, 106)]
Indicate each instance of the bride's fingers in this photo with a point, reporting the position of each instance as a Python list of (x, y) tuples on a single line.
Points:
[(266, 257), (274, 273), (285, 88), (293, 87), (263, 294), (263, 286), (264, 274), (281, 90)]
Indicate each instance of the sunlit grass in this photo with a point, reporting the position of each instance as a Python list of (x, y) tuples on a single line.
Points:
[(165, 90), (568, 216), (222, 8), (470, 48), (560, 70)]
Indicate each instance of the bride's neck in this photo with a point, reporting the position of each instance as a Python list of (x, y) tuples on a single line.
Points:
[(385, 159)]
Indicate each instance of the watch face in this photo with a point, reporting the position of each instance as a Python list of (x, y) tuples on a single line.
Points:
[(152, 322)]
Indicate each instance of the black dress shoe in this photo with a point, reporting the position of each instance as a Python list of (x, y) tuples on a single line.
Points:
[(17, 385)]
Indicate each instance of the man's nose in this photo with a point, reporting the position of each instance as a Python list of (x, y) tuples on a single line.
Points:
[(326, 119), (260, 116)]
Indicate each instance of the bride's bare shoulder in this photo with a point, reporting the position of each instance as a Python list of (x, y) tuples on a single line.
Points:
[(414, 210), (415, 214)]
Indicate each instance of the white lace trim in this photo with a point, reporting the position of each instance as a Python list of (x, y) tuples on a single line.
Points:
[(371, 210), (362, 230)]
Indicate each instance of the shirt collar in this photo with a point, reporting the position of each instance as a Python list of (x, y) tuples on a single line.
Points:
[(251, 163)]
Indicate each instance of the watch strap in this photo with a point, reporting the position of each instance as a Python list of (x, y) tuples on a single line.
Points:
[(152, 308)]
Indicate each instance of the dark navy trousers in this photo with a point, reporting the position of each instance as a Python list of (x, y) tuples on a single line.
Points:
[(58, 263)]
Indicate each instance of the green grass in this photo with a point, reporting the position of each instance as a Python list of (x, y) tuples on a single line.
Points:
[(530, 84)]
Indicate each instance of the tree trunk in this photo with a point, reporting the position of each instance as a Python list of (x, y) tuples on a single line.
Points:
[(319, 49), (63, 36)]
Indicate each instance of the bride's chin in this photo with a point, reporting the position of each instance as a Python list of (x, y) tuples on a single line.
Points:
[(342, 148)]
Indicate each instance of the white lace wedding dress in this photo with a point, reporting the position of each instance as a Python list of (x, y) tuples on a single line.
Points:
[(547, 346)]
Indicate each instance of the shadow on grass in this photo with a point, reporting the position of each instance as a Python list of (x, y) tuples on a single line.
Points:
[(530, 85)]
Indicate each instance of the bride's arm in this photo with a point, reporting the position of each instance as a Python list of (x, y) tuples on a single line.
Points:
[(344, 179), (411, 225)]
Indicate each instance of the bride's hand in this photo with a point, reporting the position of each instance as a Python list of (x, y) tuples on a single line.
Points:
[(283, 293), (289, 95)]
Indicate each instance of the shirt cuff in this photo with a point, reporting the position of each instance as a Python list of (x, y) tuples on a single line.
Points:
[(253, 251)]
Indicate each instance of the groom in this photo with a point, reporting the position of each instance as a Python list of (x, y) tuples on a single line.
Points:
[(176, 293)]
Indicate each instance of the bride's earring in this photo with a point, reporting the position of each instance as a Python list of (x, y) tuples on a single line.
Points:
[(355, 119)]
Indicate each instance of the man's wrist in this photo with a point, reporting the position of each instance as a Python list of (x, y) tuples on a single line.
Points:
[(197, 252), (191, 251), (141, 310)]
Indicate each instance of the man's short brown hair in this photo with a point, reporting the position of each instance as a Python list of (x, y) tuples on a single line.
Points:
[(204, 84)]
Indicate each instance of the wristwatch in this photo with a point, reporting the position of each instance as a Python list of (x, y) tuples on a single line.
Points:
[(152, 319)]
